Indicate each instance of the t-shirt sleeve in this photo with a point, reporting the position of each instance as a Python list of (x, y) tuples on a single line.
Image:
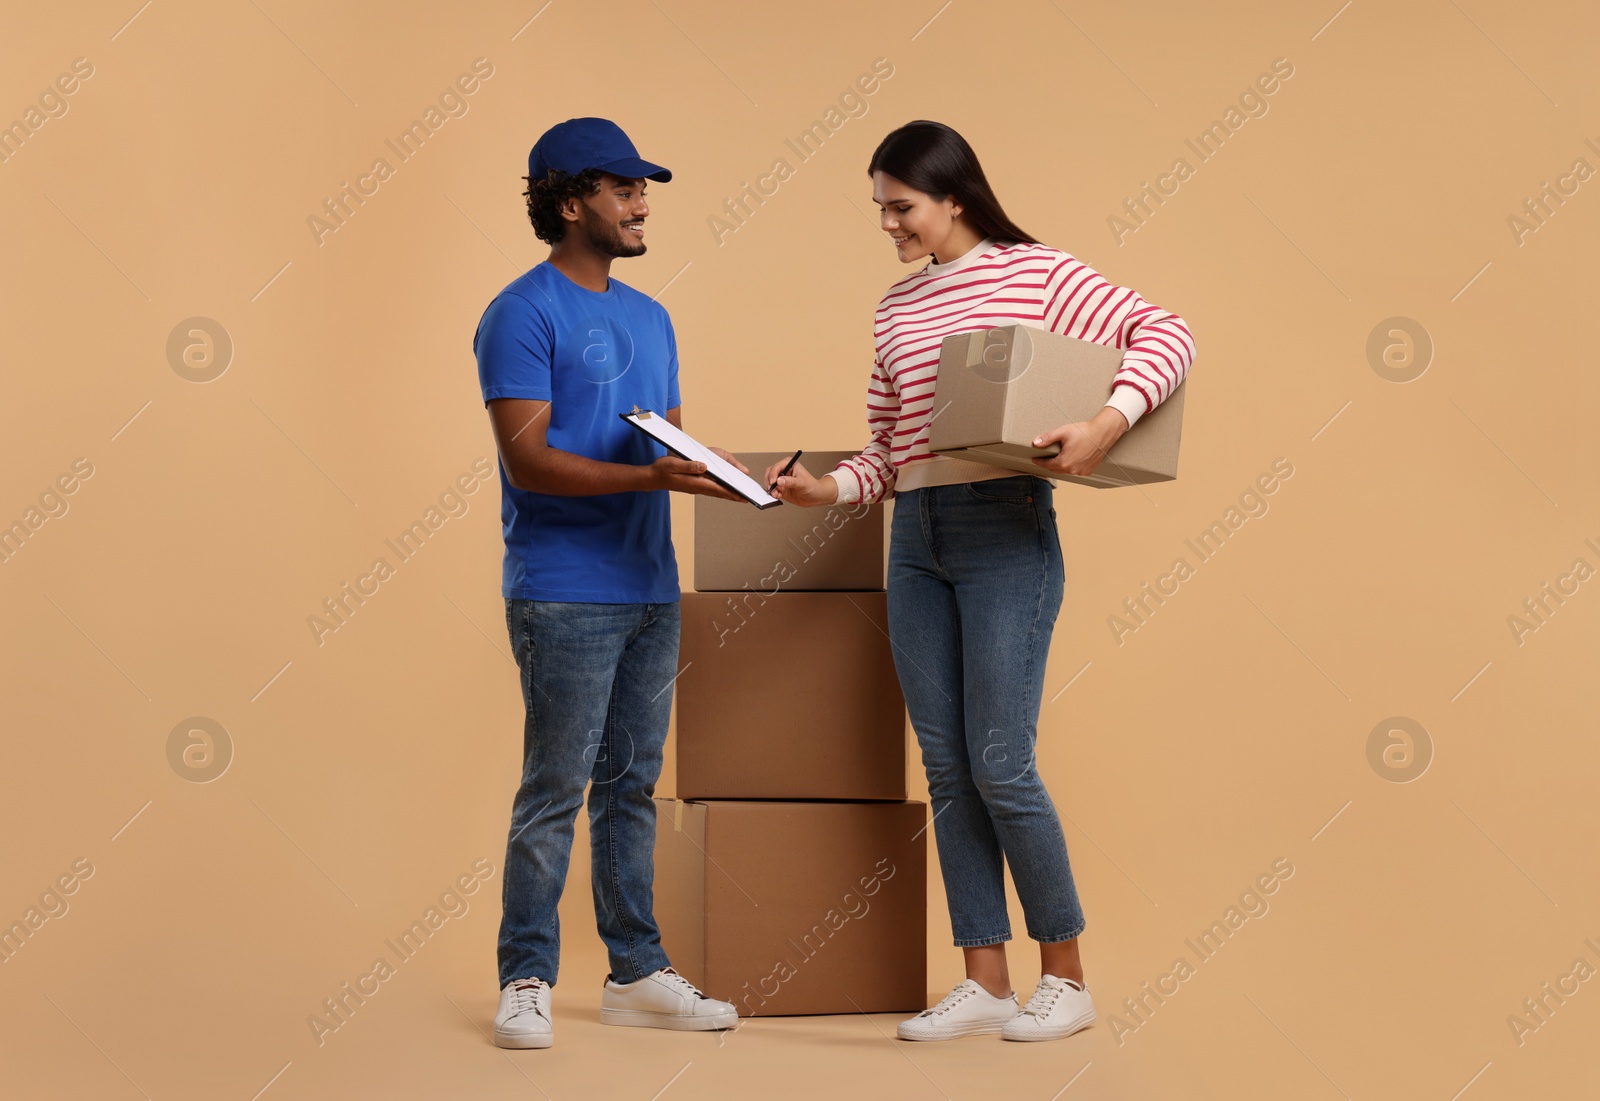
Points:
[(514, 345), (673, 398)]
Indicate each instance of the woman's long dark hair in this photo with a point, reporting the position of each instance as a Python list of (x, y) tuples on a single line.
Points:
[(931, 157)]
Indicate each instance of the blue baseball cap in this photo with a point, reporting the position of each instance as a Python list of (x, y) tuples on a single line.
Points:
[(579, 144)]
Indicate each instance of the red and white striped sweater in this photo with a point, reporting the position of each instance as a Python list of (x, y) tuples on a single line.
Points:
[(992, 286)]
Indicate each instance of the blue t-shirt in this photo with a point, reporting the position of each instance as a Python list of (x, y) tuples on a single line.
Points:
[(593, 356)]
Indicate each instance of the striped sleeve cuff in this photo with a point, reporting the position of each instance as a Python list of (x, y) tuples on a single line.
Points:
[(849, 486), (1128, 401)]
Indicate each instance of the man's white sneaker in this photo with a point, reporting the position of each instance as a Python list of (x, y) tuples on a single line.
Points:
[(1059, 1007), (524, 1017), (663, 999), (968, 1010)]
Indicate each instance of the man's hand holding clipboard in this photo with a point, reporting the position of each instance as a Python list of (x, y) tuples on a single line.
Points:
[(696, 460)]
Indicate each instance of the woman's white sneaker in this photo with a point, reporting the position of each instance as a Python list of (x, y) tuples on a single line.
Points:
[(968, 1010), (524, 1017), (663, 999), (1059, 1007)]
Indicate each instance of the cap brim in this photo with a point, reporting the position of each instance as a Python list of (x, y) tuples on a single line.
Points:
[(636, 169)]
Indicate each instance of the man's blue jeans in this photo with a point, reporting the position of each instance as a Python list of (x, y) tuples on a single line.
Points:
[(597, 685), (975, 582)]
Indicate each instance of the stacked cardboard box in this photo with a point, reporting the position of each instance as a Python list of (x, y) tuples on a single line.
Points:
[(791, 870)]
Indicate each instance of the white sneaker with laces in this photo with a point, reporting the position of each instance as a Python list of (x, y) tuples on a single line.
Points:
[(1059, 1007), (524, 1017), (663, 999), (968, 1010)]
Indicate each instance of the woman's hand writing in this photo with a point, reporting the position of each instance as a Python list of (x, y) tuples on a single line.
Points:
[(798, 487)]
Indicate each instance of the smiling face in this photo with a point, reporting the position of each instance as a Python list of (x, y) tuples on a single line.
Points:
[(613, 218), (913, 220)]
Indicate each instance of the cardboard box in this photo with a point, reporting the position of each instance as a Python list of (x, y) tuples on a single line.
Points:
[(997, 389), (736, 547), (788, 696), (795, 908)]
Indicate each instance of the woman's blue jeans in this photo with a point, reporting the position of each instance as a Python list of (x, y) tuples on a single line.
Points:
[(975, 582), (597, 688)]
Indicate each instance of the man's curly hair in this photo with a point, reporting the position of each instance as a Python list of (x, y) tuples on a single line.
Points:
[(546, 196)]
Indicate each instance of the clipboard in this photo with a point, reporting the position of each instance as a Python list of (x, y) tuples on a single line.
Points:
[(681, 444)]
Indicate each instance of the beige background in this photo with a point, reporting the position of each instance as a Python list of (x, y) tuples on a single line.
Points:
[(1228, 732)]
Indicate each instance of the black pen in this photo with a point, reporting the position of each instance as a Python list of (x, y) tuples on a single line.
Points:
[(784, 472)]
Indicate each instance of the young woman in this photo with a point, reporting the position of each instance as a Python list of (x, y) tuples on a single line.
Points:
[(975, 573)]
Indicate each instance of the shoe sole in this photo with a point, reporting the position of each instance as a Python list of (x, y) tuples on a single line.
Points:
[(643, 1018), (955, 1034), (1058, 1032), (522, 1041)]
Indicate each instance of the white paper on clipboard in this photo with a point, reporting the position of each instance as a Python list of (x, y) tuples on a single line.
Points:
[(685, 446)]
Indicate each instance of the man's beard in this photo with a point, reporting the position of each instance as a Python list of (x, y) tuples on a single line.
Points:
[(606, 237)]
